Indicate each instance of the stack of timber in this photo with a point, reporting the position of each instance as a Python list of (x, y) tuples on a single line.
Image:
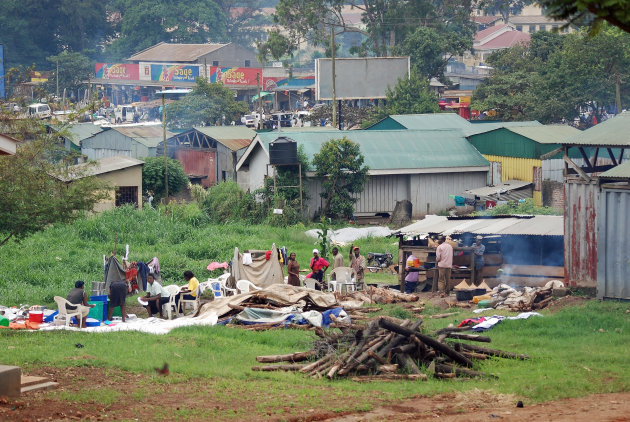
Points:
[(380, 295), (389, 349)]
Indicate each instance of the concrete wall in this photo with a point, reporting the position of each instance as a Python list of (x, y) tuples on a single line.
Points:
[(232, 55), (131, 176)]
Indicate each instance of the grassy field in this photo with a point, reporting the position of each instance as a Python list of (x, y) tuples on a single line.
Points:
[(574, 351), (48, 263)]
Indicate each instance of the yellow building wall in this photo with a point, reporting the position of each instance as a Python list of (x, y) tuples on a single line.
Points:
[(131, 176), (513, 168)]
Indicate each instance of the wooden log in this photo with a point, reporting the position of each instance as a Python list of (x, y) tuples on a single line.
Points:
[(429, 341), (377, 358), (542, 303), (422, 348), (237, 307), (460, 372), (442, 375), (387, 368), (317, 363), (490, 352), (473, 355), (389, 377), (333, 370), (267, 368), (398, 339), (453, 329), (407, 348), (291, 357), (407, 362), (437, 316), (362, 357), (370, 309), (346, 326), (471, 337)]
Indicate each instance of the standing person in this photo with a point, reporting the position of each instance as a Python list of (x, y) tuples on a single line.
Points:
[(117, 297), (189, 292), (478, 250), (156, 296), (444, 258), (337, 262), (293, 269), (78, 298), (411, 279), (358, 264), (319, 266)]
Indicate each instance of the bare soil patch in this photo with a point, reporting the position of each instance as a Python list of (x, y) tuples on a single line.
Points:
[(152, 397)]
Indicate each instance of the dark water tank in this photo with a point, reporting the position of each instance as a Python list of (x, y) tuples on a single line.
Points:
[(283, 151)]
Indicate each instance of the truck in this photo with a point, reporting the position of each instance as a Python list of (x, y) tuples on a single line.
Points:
[(39, 111), (125, 113)]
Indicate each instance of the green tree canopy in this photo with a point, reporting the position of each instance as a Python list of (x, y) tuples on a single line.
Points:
[(593, 12), (340, 164), (38, 187), (74, 70), (206, 105), (153, 176)]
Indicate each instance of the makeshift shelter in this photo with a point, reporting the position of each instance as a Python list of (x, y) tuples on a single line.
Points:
[(256, 267), (113, 271)]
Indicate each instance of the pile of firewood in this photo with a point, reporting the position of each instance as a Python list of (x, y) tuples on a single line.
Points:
[(389, 349), (381, 295)]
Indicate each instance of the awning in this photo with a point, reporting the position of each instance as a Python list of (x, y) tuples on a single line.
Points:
[(262, 94)]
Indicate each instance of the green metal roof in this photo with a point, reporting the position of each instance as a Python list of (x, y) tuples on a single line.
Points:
[(547, 134), (227, 132), (430, 121), (612, 132), (395, 150), (622, 171), (481, 126), (79, 131), (149, 136)]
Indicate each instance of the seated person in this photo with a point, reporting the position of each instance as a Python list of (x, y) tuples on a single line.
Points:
[(188, 292), (156, 297), (78, 297), (117, 296)]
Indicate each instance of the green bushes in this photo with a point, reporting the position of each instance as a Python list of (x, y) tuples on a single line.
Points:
[(227, 202)]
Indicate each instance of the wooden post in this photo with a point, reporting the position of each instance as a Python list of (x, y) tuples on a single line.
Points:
[(164, 143), (334, 92), (300, 172)]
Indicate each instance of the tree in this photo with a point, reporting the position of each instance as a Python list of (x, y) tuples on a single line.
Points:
[(74, 70), (350, 116), (244, 21), (410, 96), (593, 12), (340, 164), (505, 8), (143, 24), (153, 176), (38, 187), (429, 50), (277, 46), (206, 105)]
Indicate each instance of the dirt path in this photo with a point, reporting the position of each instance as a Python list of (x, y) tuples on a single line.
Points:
[(134, 396)]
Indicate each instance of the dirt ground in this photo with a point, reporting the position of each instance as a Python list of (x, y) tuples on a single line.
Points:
[(143, 392)]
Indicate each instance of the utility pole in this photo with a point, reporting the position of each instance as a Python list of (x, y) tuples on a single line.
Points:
[(164, 143), (57, 75), (260, 109), (334, 94)]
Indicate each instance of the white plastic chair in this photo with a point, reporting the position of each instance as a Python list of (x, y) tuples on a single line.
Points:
[(310, 283), (344, 276), (227, 291), (173, 291), (64, 312), (243, 286), (194, 302)]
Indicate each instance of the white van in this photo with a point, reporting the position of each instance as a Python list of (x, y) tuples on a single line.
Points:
[(125, 113), (39, 111)]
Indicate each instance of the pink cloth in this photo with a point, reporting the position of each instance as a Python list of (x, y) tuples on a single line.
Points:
[(216, 265), (444, 255), (319, 264)]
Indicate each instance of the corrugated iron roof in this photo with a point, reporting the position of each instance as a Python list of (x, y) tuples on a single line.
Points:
[(612, 132), (622, 171), (545, 134), (149, 136), (227, 132), (483, 127), (396, 150), (538, 225), (431, 121), (108, 165), (235, 144), (165, 52), (504, 187), (81, 131)]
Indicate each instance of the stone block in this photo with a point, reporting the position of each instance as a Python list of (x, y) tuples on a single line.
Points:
[(10, 380)]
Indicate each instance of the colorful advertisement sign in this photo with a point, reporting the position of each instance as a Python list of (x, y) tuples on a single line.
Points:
[(236, 75), (2, 93), (117, 71), (174, 72)]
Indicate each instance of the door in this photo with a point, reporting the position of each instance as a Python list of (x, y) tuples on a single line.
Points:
[(494, 175), (613, 251)]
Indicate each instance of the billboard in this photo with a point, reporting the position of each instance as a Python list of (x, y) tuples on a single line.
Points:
[(117, 71), (174, 72), (2, 93), (236, 76), (359, 78)]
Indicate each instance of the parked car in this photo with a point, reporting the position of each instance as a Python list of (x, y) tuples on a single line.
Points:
[(251, 120), (125, 113), (281, 119), (39, 111)]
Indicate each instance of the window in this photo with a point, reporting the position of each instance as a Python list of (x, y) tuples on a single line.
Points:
[(519, 28), (127, 195), (215, 63), (543, 27), (247, 63), (532, 29)]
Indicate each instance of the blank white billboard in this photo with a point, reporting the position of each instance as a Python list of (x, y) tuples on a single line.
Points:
[(359, 78)]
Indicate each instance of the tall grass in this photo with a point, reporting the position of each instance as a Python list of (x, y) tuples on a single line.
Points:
[(48, 263)]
